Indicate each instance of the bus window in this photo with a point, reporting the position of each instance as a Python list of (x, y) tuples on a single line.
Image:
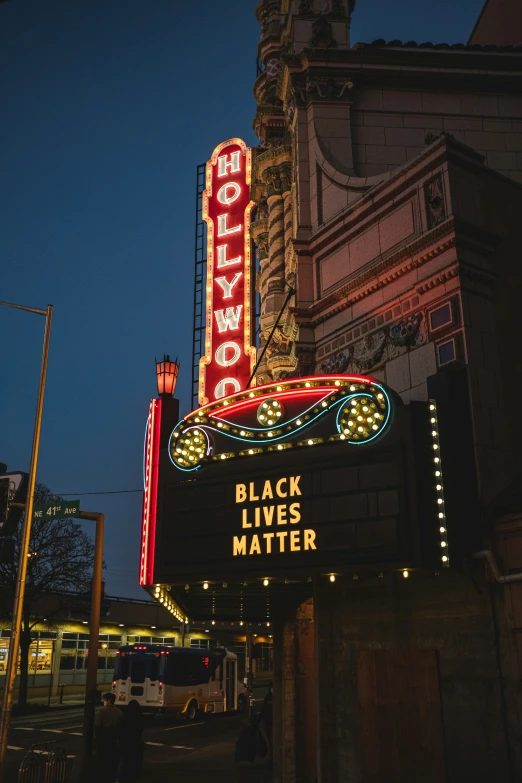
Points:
[(153, 669), (138, 671), (121, 670)]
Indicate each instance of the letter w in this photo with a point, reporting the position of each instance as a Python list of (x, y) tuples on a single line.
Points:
[(229, 318)]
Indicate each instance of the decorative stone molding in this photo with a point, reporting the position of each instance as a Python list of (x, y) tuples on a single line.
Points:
[(322, 34), (322, 7), (434, 201), (379, 347), (439, 279)]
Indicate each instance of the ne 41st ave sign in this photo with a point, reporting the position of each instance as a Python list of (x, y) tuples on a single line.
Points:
[(56, 510)]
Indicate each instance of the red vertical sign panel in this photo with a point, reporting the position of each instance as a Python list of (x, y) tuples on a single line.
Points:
[(229, 356)]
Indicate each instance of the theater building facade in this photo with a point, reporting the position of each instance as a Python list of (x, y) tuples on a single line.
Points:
[(356, 482)]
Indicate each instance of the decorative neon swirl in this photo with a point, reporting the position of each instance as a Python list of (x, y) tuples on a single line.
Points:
[(362, 405)]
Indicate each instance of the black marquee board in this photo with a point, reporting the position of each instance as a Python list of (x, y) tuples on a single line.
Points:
[(360, 504)]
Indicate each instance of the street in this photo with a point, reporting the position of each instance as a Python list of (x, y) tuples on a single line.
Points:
[(199, 748)]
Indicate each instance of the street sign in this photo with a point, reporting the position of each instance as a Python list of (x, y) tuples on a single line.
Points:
[(57, 510)]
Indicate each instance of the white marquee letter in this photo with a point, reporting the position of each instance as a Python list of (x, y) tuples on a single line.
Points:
[(221, 354), (228, 319), (221, 388), (224, 198), (233, 165), (223, 260), (222, 227), (225, 285)]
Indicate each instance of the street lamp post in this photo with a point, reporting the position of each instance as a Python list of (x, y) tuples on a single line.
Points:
[(16, 626)]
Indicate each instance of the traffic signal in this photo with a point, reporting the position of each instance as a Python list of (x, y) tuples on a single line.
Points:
[(4, 500), (13, 488)]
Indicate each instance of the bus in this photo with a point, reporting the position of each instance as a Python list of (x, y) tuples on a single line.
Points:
[(180, 680)]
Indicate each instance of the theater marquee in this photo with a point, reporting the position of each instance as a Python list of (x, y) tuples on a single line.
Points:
[(282, 482)]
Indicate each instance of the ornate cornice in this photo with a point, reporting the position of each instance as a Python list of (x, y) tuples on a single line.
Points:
[(439, 279), (379, 275), (270, 158)]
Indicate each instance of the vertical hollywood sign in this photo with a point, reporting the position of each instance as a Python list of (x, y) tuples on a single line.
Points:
[(229, 356)]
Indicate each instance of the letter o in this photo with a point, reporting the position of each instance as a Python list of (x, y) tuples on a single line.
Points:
[(222, 196), (221, 354), (221, 388)]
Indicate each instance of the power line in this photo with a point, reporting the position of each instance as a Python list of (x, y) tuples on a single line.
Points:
[(110, 492)]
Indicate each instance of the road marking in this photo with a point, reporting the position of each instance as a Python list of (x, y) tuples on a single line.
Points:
[(76, 733), (14, 747), (163, 745), (171, 728)]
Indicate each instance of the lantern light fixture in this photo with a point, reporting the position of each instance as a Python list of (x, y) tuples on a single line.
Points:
[(167, 375)]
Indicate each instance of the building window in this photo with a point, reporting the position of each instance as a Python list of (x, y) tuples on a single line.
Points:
[(442, 316), (202, 644), (447, 352)]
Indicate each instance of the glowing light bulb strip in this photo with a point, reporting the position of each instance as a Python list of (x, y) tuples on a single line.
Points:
[(162, 596), (150, 495), (439, 485)]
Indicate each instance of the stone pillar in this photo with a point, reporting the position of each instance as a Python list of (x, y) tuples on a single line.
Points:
[(284, 703), (273, 283), (305, 696)]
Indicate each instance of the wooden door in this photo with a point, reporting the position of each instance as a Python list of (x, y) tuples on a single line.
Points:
[(401, 736)]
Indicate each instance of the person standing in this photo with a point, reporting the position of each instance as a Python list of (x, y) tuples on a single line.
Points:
[(131, 745), (106, 732)]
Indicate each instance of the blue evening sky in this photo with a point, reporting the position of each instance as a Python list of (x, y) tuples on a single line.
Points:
[(107, 108)]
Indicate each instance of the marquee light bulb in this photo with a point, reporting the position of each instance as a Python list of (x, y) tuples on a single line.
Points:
[(265, 582), (332, 577), (405, 574), (205, 585)]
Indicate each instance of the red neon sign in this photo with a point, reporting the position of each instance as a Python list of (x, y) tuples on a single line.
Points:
[(150, 495), (229, 356)]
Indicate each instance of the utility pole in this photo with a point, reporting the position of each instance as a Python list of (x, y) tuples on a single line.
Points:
[(16, 626), (91, 692)]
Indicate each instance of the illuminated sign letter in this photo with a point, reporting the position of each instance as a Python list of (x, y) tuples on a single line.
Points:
[(226, 286), (222, 257), (226, 367), (221, 354), (223, 196), (222, 227), (231, 166), (239, 546), (228, 319), (221, 389)]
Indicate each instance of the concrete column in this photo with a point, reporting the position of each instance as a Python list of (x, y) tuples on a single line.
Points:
[(55, 665)]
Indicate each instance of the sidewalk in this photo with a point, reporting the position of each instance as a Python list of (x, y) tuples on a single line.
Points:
[(215, 763)]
